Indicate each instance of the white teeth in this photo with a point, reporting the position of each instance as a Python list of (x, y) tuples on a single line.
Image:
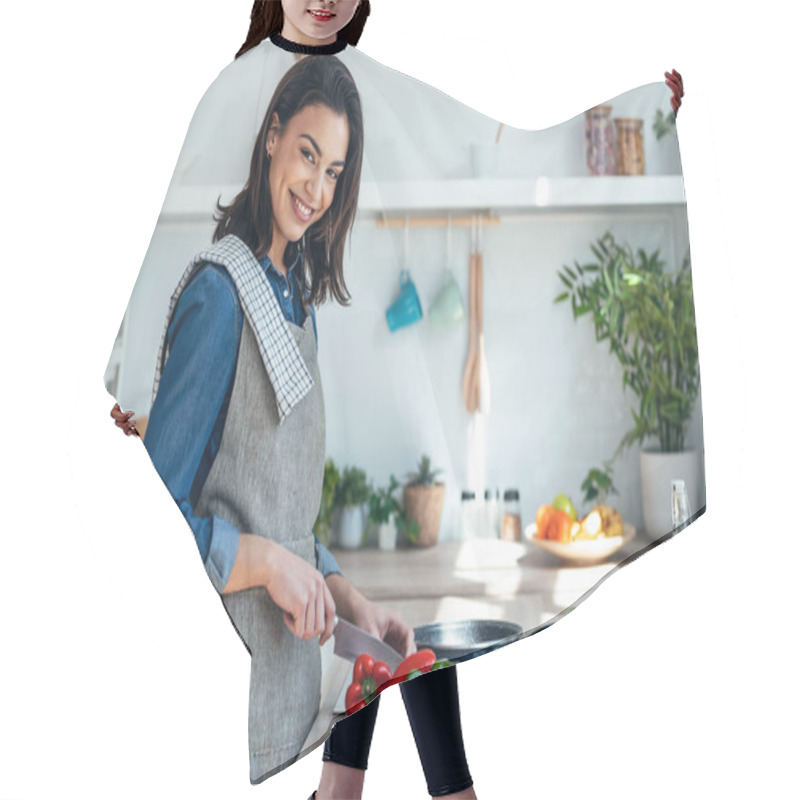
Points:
[(303, 208)]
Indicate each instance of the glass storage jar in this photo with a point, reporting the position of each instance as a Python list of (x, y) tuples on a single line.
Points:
[(630, 146), (599, 141)]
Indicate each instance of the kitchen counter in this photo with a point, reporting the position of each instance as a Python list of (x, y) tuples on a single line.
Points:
[(480, 570)]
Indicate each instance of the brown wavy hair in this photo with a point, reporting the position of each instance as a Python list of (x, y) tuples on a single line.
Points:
[(266, 18), (321, 81)]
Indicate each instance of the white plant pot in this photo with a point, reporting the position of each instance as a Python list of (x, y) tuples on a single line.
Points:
[(351, 527), (657, 472), (387, 535)]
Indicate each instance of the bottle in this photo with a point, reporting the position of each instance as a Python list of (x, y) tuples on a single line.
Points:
[(491, 505), (512, 518), (680, 504), (469, 522)]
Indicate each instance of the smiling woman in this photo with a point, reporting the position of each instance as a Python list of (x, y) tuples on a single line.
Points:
[(237, 427), (316, 22), (307, 22)]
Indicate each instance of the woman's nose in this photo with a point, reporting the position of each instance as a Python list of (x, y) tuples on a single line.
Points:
[(314, 186)]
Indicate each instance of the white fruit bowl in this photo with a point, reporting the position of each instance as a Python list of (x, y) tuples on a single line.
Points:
[(584, 551)]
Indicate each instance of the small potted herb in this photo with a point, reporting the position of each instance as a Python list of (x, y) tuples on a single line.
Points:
[(383, 510), (423, 500), (386, 512), (351, 494)]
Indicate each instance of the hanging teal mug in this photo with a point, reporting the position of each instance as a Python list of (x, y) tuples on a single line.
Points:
[(448, 307), (406, 309)]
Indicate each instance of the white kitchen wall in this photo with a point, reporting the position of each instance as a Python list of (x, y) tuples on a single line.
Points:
[(557, 400), (558, 407)]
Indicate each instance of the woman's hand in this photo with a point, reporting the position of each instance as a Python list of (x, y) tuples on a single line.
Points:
[(387, 625), (294, 585), (379, 621), (124, 420), (675, 82)]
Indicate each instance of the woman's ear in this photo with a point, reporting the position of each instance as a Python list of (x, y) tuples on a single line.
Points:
[(272, 134)]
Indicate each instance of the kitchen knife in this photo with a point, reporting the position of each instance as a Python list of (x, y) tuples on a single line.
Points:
[(350, 641)]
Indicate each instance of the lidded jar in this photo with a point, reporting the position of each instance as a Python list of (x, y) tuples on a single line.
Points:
[(599, 141), (630, 146)]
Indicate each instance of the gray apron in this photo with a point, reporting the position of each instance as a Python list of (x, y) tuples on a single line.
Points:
[(266, 479)]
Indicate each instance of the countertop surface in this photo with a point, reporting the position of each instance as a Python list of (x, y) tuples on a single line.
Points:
[(477, 567)]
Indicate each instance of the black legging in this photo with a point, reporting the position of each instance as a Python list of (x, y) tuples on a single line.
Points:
[(433, 711)]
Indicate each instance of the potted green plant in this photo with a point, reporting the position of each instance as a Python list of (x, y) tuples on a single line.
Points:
[(383, 511), (423, 500), (351, 494), (330, 479), (646, 315), (388, 514)]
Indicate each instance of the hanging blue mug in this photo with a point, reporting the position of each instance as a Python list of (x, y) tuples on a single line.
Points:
[(406, 309)]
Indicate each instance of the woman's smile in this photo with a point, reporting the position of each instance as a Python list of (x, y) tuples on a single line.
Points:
[(303, 211), (321, 16)]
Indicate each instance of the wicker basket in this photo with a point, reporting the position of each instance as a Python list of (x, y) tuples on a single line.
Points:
[(425, 504)]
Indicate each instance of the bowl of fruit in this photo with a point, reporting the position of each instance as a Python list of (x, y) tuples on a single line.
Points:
[(560, 531)]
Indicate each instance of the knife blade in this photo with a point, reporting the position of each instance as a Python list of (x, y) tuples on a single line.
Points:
[(350, 641)]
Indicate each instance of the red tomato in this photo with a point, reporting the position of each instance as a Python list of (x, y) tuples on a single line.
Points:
[(365, 663), (353, 696), (356, 707), (381, 674), (422, 660)]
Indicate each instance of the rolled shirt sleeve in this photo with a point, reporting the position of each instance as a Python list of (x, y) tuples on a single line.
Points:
[(326, 561), (188, 414)]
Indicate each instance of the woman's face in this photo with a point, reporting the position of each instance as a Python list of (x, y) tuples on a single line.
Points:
[(316, 21), (306, 159)]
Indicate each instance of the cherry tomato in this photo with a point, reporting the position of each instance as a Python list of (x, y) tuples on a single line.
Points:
[(381, 674), (357, 707), (422, 660), (365, 663), (353, 696)]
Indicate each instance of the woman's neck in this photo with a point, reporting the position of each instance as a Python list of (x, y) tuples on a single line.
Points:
[(277, 251), (305, 45), (294, 34)]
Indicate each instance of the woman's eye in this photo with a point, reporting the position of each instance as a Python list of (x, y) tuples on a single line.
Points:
[(333, 174), (308, 155)]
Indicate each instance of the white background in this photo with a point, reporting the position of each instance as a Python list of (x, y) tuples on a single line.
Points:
[(119, 674)]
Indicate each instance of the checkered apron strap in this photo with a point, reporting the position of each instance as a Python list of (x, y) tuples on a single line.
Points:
[(285, 367)]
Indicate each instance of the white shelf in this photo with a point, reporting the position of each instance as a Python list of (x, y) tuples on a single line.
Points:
[(195, 203), (537, 193)]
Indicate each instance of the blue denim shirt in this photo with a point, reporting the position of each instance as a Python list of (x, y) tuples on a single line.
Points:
[(185, 426)]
